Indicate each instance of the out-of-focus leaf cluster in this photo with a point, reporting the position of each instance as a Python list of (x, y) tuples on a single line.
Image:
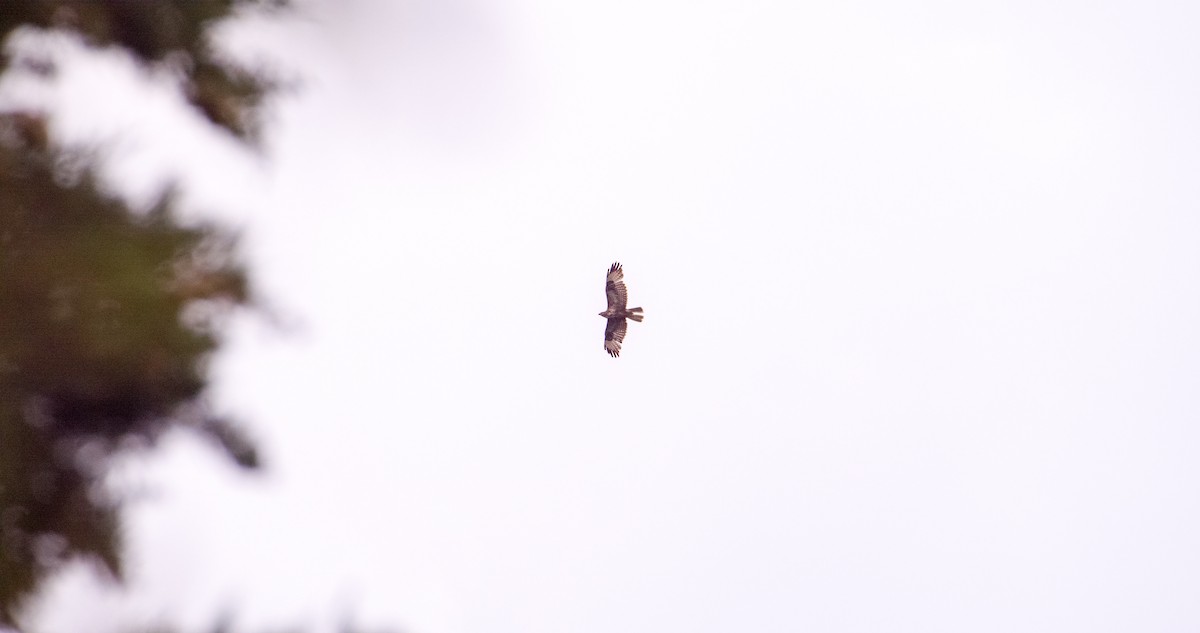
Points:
[(108, 314), (167, 32), (107, 317)]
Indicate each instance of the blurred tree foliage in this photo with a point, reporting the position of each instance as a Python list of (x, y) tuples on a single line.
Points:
[(166, 32), (107, 313)]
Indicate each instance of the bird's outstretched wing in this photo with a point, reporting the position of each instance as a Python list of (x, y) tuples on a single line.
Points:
[(614, 287), (614, 333)]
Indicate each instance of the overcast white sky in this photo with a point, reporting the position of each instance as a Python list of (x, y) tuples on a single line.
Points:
[(922, 336)]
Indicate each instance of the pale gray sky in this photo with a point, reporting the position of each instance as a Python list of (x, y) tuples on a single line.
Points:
[(921, 343)]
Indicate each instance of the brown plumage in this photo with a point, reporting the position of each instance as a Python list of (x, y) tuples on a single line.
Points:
[(614, 289)]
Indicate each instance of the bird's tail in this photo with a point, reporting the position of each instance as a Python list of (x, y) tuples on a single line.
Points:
[(634, 313)]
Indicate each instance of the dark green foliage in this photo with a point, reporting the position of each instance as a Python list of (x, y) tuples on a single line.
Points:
[(107, 314), (161, 31), (98, 350)]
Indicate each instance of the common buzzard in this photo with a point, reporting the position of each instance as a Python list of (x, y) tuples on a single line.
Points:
[(614, 289)]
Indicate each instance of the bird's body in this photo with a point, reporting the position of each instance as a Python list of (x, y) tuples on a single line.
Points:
[(622, 314), (617, 313)]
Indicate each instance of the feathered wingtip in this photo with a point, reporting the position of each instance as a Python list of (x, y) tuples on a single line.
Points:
[(614, 268)]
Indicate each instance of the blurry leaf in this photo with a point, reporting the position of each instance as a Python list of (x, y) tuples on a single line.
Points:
[(233, 440)]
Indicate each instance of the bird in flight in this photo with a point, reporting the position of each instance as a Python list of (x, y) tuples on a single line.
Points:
[(614, 289)]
